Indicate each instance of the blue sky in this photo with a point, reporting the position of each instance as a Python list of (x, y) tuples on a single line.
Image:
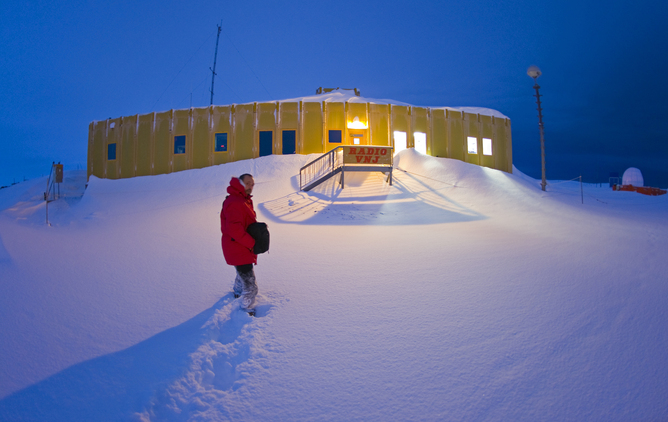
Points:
[(64, 64)]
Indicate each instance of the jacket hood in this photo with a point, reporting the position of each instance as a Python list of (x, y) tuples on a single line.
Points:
[(237, 188)]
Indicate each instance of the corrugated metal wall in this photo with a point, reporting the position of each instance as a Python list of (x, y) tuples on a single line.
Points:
[(175, 140)]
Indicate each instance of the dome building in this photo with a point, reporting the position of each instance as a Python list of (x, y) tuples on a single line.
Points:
[(633, 177), (175, 140)]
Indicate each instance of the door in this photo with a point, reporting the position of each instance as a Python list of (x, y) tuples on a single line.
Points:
[(289, 142), (266, 140)]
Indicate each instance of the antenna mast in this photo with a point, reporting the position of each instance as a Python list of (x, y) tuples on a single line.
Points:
[(215, 57)]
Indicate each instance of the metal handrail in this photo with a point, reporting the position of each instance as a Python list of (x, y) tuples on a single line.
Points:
[(50, 186), (320, 167), (50, 195)]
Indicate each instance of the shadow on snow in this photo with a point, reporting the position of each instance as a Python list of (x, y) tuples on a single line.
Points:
[(365, 201), (118, 385)]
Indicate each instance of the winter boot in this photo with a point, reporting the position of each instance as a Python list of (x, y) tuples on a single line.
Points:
[(238, 286)]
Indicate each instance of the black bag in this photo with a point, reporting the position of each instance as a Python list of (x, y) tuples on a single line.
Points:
[(260, 233)]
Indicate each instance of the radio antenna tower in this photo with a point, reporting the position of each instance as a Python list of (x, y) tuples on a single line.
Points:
[(215, 57)]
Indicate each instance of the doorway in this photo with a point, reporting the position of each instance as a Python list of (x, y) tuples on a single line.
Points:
[(266, 140), (289, 142)]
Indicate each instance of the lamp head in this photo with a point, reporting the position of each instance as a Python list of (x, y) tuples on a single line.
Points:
[(534, 72)]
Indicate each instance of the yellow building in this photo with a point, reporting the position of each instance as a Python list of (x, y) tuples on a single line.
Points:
[(175, 140)]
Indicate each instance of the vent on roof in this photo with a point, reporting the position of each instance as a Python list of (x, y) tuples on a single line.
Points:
[(322, 90)]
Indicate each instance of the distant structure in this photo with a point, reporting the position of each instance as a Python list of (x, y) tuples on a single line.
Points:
[(175, 140), (322, 90), (633, 177)]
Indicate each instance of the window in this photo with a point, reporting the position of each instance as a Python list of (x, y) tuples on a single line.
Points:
[(111, 152), (399, 141), (357, 139), (335, 136), (486, 146), (473, 144), (420, 142), (180, 144), (221, 142)]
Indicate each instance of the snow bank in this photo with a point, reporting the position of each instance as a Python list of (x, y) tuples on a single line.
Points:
[(464, 291)]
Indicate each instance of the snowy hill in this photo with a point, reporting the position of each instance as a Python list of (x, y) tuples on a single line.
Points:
[(459, 293)]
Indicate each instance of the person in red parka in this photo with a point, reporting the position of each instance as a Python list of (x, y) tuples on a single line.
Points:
[(235, 217)]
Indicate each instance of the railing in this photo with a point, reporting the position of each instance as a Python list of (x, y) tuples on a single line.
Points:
[(316, 172), (51, 194), (53, 186)]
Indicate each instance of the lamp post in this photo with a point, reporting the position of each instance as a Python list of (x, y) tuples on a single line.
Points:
[(535, 72)]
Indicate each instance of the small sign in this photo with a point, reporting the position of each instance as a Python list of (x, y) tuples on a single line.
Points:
[(367, 155), (59, 172)]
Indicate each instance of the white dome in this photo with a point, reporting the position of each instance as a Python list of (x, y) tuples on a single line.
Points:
[(633, 176)]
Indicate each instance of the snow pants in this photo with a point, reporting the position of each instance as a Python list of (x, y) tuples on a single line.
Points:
[(245, 286)]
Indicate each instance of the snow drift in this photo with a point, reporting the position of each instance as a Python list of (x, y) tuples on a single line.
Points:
[(459, 293)]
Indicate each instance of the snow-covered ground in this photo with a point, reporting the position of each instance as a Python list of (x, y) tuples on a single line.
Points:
[(458, 293)]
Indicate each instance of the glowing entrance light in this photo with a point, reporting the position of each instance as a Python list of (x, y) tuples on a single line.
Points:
[(356, 124), (486, 146), (420, 142), (472, 144), (399, 141)]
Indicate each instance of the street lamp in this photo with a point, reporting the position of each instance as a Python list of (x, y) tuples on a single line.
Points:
[(535, 72)]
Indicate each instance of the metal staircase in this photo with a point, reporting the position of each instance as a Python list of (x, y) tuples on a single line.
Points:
[(334, 162)]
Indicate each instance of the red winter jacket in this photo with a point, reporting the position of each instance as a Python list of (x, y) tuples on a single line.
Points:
[(235, 217)]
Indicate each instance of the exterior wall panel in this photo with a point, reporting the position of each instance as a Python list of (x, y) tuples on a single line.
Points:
[(99, 152), (163, 143), (379, 124), (202, 139), (266, 121), (401, 122), (439, 135), (456, 139), (312, 140), (419, 123), (244, 132), (357, 110), (471, 129), (289, 113), (181, 127), (145, 145), (487, 132), (91, 149), (288, 119), (335, 120), (504, 158), (221, 122), (113, 137), (128, 148)]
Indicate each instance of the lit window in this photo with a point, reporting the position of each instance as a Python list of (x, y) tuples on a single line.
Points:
[(180, 144), (335, 136), (486, 146), (420, 142), (111, 152), (221, 142), (473, 144), (357, 138), (356, 124), (399, 141)]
